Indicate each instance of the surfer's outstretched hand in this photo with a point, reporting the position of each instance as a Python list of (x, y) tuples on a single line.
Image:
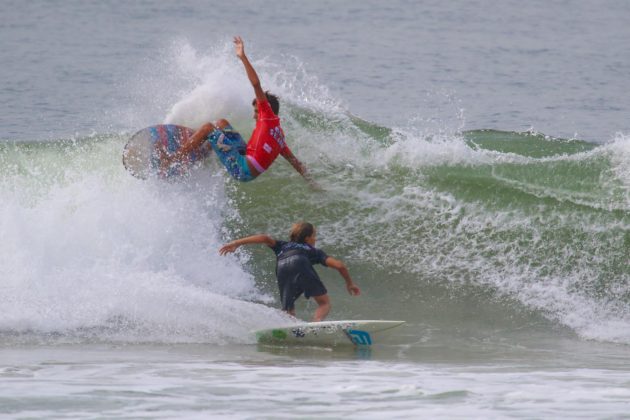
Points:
[(240, 47), (353, 289), (228, 248), (315, 186)]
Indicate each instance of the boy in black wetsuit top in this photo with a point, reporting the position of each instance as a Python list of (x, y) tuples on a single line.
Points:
[(294, 267)]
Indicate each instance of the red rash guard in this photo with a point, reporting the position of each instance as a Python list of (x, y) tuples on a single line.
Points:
[(267, 140)]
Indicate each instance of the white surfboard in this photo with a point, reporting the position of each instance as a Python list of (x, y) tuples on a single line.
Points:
[(328, 333)]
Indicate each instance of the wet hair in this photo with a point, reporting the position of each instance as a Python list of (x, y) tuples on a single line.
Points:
[(273, 101), (300, 231)]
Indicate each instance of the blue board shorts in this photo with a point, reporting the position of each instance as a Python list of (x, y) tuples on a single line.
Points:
[(230, 148)]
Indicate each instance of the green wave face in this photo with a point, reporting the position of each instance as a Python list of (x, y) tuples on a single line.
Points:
[(441, 228), (537, 223)]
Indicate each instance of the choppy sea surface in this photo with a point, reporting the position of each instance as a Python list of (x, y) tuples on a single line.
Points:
[(475, 161)]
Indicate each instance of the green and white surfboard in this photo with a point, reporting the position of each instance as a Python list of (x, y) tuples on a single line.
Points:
[(329, 333)]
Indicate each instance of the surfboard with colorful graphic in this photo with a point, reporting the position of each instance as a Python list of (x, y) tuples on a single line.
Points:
[(144, 152)]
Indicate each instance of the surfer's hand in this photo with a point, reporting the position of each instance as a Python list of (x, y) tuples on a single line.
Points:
[(240, 47), (228, 248), (353, 289), (309, 180), (314, 185)]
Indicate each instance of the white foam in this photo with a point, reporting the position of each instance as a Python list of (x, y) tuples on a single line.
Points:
[(221, 89), (620, 158), (132, 259)]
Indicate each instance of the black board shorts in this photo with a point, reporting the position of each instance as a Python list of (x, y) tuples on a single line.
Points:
[(296, 276)]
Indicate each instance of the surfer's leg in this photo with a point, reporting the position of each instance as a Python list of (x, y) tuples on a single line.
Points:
[(323, 309), (198, 137), (222, 124), (195, 141), (314, 288), (191, 145), (289, 291)]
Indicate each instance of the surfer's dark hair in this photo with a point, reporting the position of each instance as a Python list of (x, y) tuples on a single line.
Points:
[(273, 101), (300, 231)]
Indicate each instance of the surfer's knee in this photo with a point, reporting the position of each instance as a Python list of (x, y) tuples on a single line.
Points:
[(222, 123), (323, 309), (207, 128), (322, 301)]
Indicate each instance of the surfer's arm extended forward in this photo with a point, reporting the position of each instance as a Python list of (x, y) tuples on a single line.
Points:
[(251, 73), (338, 265), (254, 239)]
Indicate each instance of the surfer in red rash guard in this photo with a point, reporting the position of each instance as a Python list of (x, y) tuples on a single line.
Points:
[(246, 161)]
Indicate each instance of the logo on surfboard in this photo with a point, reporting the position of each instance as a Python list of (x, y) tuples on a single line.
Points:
[(360, 338)]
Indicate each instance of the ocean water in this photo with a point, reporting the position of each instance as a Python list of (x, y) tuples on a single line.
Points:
[(475, 161)]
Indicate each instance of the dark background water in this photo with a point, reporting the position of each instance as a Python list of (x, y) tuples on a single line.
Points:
[(559, 67)]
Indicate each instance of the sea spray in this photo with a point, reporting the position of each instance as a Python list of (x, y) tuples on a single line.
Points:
[(94, 255)]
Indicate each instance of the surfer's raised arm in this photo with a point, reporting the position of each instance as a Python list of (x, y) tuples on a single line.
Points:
[(251, 73)]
